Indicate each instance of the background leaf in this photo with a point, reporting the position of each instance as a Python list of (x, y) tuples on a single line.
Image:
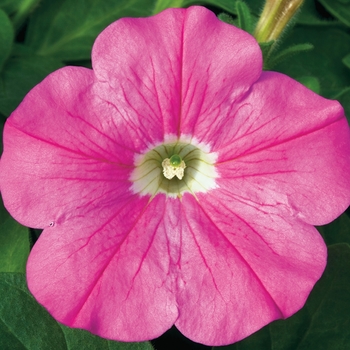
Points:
[(19, 76), (337, 231), (344, 98), (66, 29), (24, 9), (25, 325), (311, 83), (245, 20), (10, 6), (339, 9), (14, 243), (225, 5), (161, 5), (324, 62), (6, 37), (286, 53), (312, 14), (76, 337)]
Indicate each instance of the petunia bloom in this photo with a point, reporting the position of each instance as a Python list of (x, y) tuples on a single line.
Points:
[(176, 183)]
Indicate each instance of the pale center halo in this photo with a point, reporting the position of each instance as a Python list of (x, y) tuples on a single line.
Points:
[(173, 167)]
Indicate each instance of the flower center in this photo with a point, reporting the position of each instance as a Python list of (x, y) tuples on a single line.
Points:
[(174, 168)]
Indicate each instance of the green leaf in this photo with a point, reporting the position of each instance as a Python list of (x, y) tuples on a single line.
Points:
[(310, 15), (339, 9), (310, 82), (10, 6), (245, 20), (2, 122), (24, 9), (322, 324), (20, 50), (256, 6), (25, 325), (6, 37), (346, 60), (23, 321), (19, 76), (34, 235), (14, 243), (225, 5), (227, 19), (287, 53), (337, 231), (266, 49), (67, 29), (161, 5), (260, 340), (344, 98), (76, 337), (323, 62)]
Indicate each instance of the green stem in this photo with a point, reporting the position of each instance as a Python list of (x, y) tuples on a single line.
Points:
[(274, 18), (26, 7)]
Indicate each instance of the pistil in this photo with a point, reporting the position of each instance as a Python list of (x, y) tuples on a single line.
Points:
[(173, 166)]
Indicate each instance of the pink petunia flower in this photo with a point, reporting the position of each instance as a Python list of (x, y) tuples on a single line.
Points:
[(176, 183)]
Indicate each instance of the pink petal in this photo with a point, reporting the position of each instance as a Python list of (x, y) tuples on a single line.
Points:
[(176, 70), (138, 64), (242, 266), (220, 63), (109, 272), (287, 146), (61, 156)]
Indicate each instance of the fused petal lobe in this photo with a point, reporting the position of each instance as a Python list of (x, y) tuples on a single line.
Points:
[(59, 146), (285, 140), (137, 62), (243, 267), (220, 63), (178, 71), (107, 272)]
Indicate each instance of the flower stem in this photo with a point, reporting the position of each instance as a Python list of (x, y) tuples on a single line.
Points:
[(274, 18)]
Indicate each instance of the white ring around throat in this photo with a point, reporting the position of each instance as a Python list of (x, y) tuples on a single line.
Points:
[(200, 173)]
